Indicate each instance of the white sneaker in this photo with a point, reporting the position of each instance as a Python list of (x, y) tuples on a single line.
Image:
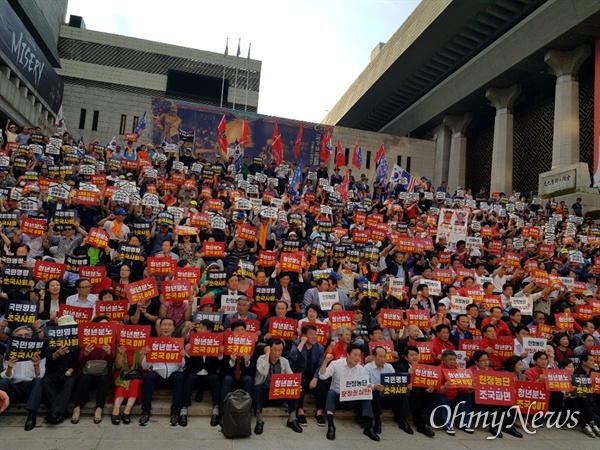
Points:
[(587, 430), (595, 429), (450, 431)]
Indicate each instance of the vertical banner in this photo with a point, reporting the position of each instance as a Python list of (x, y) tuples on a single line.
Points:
[(597, 116)]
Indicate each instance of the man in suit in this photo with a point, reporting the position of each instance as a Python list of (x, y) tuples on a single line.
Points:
[(271, 362), (231, 288), (306, 357), (311, 296), (461, 331), (202, 371), (243, 305)]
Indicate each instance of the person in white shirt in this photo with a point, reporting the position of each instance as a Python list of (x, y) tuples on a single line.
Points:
[(375, 368), (521, 331), (345, 367), (83, 298), (22, 380), (163, 374)]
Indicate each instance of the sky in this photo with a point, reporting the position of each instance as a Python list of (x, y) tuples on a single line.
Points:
[(311, 50)]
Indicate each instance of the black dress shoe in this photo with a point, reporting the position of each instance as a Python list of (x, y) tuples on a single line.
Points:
[(183, 420), (258, 429), (174, 420), (495, 432), (405, 426), (200, 396), (377, 426), (513, 432), (426, 430), (31, 421), (294, 425), (214, 420), (331, 433), (369, 431)]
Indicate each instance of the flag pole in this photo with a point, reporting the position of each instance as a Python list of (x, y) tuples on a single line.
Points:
[(247, 77), (224, 64), (237, 63)]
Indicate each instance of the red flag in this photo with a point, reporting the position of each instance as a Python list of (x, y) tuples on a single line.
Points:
[(380, 153), (222, 136), (345, 186), (355, 159), (245, 134), (275, 133), (277, 150), (298, 141), (340, 160), (325, 147)]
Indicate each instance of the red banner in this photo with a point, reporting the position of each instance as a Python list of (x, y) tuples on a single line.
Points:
[(444, 276), (141, 290), (247, 232), (98, 238), (79, 314), (389, 349), (426, 376), (191, 274), (558, 380), (468, 345), (213, 249), (97, 334), (584, 312), (494, 388), (491, 301), (360, 236), (44, 270), (267, 258), (176, 290), (252, 326), (504, 347), (425, 351), (133, 337), (564, 322), (206, 344), (544, 331), (459, 378), (215, 204), (33, 227), (285, 386), (291, 262), (96, 274), (199, 220), (322, 332), (391, 318), (115, 310), (418, 317), (241, 343), (282, 328), (161, 266), (339, 319), (89, 198), (532, 397), (164, 350), (406, 244)]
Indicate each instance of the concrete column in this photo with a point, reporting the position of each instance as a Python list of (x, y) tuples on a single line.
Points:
[(502, 155), (442, 154), (457, 166), (565, 65)]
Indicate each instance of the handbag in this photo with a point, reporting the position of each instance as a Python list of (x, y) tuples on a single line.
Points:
[(96, 367), (132, 374)]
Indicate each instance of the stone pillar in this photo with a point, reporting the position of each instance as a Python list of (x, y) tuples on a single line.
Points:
[(457, 166), (502, 155), (565, 65), (442, 154)]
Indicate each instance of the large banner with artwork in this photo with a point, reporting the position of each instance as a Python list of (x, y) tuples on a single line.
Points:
[(171, 118)]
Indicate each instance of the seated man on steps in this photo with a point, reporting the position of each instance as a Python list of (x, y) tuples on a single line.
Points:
[(164, 374), (271, 362), (348, 366)]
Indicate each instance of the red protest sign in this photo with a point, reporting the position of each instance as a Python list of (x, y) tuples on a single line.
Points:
[(444, 276), (558, 380), (585, 312), (267, 258), (115, 310), (86, 198), (494, 388), (215, 204), (33, 227), (426, 376), (79, 314), (544, 331), (133, 337), (418, 317), (131, 137), (546, 250), (160, 266), (44, 270), (99, 179), (459, 378), (444, 257), (291, 262), (461, 273), (192, 274), (213, 249), (360, 236), (141, 290), (206, 344), (285, 385), (241, 343), (185, 231), (406, 244), (491, 301), (339, 319), (504, 347), (425, 351), (512, 259), (564, 322), (532, 397), (247, 232), (165, 350), (282, 328), (322, 332), (98, 238), (176, 290), (391, 318), (387, 345), (199, 220), (252, 326), (97, 334), (469, 346), (96, 274)]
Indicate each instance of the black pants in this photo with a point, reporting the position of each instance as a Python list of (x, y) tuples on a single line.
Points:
[(25, 391), (260, 397), (380, 403), (421, 402), (320, 392), (57, 391), (82, 392), (192, 381)]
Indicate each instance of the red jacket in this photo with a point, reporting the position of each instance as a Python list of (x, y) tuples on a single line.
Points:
[(500, 326), (438, 348)]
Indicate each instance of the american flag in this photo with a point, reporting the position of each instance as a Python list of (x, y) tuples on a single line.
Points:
[(399, 175), (141, 126), (382, 169), (297, 177), (238, 156)]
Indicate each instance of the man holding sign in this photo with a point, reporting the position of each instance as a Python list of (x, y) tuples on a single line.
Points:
[(348, 368)]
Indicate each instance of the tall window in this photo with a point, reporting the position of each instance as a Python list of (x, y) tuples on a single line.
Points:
[(123, 124), (95, 120), (136, 119), (368, 161), (82, 115), (399, 160), (408, 164), (347, 156)]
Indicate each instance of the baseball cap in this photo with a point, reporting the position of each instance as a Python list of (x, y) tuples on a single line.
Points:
[(120, 212)]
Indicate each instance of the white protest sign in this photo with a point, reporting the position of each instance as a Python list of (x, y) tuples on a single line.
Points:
[(328, 299), (218, 222), (458, 304), (396, 287), (151, 200), (435, 287), (87, 170), (243, 204), (57, 190), (229, 303), (461, 359), (532, 345), (271, 213), (473, 242), (355, 387), (523, 304), (120, 196)]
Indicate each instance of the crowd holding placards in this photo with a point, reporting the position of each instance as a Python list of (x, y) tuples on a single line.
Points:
[(125, 270)]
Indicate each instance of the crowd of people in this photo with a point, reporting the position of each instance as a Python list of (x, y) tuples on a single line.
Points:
[(373, 279)]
